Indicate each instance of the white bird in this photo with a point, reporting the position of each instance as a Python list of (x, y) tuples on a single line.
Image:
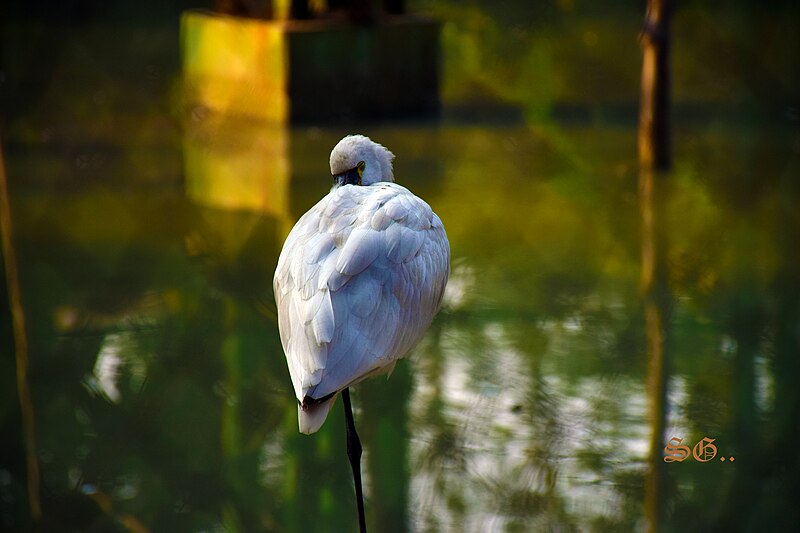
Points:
[(359, 280)]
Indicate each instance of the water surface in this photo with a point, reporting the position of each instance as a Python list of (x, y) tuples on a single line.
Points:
[(146, 244)]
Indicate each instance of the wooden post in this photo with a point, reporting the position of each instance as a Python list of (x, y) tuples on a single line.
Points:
[(654, 149), (20, 346), (654, 158)]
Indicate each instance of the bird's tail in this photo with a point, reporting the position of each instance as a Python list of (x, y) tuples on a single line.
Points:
[(312, 417)]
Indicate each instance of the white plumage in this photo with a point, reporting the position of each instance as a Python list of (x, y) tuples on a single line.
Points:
[(359, 280)]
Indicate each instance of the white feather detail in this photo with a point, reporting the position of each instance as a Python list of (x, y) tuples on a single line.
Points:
[(363, 295), (323, 323), (360, 250)]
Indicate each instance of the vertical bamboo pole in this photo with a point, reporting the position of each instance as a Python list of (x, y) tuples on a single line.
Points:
[(20, 345)]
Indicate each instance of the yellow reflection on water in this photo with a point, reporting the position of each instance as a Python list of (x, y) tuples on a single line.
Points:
[(236, 164)]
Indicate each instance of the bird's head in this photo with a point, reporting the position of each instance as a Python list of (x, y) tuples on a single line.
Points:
[(357, 160)]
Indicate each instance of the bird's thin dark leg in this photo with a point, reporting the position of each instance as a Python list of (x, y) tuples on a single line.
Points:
[(354, 454)]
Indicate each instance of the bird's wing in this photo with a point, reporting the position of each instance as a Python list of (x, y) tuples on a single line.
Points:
[(359, 280)]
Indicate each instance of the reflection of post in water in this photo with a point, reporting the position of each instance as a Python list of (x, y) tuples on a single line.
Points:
[(655, 294), (237, 170), (237, 163), (654, 159), (20, 346)]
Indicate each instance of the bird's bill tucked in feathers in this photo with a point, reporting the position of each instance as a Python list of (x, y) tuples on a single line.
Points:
[(350, 177), (311, 416)]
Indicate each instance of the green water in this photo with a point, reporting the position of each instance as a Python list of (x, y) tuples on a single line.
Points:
[(146, 246)]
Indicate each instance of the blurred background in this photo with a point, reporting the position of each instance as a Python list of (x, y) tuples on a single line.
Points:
[(597, 307)]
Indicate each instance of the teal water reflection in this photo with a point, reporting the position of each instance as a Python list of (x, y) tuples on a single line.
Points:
[(146, 247)]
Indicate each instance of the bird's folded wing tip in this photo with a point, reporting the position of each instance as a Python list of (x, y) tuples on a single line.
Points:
[(311, 416)]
